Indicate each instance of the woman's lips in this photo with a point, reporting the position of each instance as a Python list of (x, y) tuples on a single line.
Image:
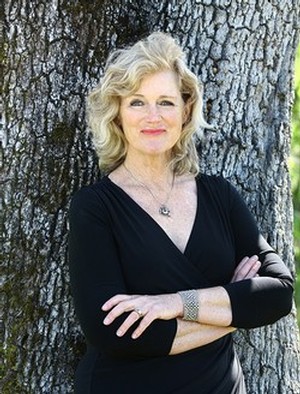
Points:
[(153, 131)]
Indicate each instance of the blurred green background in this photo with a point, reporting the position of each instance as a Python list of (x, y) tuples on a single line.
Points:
[(294, 164)]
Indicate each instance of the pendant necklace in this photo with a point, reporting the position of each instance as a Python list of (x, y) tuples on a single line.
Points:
[(163, 208)]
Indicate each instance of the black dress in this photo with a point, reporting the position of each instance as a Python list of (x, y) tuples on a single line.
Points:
[(116, 247)]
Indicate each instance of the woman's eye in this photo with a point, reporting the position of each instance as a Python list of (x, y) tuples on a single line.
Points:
[(136, 103), (166, 103)]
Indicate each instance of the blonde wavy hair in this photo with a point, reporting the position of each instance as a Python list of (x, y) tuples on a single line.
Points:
[(123, 74)]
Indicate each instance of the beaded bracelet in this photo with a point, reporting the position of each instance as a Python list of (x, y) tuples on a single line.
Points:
[(190, 304)]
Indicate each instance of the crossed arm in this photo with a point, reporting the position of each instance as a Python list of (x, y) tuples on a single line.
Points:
[(214, 316), (248, 301)]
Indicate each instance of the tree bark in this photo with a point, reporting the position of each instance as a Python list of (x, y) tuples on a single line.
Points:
[(54, 53)]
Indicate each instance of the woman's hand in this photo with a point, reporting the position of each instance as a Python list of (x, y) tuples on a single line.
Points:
[(144, 307), (247, 269)]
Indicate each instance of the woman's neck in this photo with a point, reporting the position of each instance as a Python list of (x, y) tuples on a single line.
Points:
[(150, 170)]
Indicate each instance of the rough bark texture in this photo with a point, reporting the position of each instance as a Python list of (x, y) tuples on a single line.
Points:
[(54, 52)]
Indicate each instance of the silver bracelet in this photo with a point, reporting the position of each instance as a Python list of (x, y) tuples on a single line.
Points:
[(190, 304)]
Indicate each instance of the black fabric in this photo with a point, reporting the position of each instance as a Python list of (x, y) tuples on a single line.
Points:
[(116, 247)]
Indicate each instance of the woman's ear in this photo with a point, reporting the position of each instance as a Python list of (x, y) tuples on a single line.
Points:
[(118, 121), (187, 109)]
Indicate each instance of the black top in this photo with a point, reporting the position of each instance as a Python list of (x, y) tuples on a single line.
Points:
[(116, 247)]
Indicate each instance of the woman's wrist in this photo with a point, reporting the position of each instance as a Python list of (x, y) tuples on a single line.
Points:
[(190, 304), (215, 308)]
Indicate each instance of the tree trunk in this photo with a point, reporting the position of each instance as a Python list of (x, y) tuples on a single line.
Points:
[(54, 52)]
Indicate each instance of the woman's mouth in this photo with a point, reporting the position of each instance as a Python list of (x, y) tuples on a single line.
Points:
[(153, 131)]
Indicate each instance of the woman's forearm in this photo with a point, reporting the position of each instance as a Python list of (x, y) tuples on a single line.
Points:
[(214, 307), (191, 335)]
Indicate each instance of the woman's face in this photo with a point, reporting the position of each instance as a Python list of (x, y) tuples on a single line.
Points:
[(152, 117)]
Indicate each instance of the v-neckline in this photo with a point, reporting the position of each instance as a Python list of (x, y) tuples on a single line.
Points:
[(155, 223)]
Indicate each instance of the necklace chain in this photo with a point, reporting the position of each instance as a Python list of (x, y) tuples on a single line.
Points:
[(163, 209)]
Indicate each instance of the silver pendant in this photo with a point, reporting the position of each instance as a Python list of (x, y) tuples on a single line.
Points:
[(163, 210)]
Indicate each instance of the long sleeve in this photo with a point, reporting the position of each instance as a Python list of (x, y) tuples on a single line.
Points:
[(96, 275), (267, 298)]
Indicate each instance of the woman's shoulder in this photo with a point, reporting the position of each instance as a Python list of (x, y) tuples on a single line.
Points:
[(216, 181), (218, 187), (90, 194)]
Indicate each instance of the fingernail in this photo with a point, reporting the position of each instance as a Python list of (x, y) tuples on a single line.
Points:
[(106, 321), (119, 333)]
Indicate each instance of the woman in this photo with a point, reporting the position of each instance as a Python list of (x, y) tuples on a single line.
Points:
[(165, 263)]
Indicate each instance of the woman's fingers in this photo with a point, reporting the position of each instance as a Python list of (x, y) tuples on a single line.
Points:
[(134, 316), (145, 323), (118, 305), (143, 307), (137, 305), (247, 269), (115, 300)]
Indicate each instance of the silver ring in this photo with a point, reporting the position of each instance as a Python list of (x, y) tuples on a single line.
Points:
[(139, 312)]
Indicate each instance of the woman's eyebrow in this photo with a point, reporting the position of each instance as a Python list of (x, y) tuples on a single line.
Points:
[(161, 96)]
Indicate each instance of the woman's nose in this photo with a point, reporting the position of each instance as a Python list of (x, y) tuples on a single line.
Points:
[(153, 113)]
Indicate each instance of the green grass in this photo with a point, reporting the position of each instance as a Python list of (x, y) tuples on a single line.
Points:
[(297, 258), (294, 165)]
